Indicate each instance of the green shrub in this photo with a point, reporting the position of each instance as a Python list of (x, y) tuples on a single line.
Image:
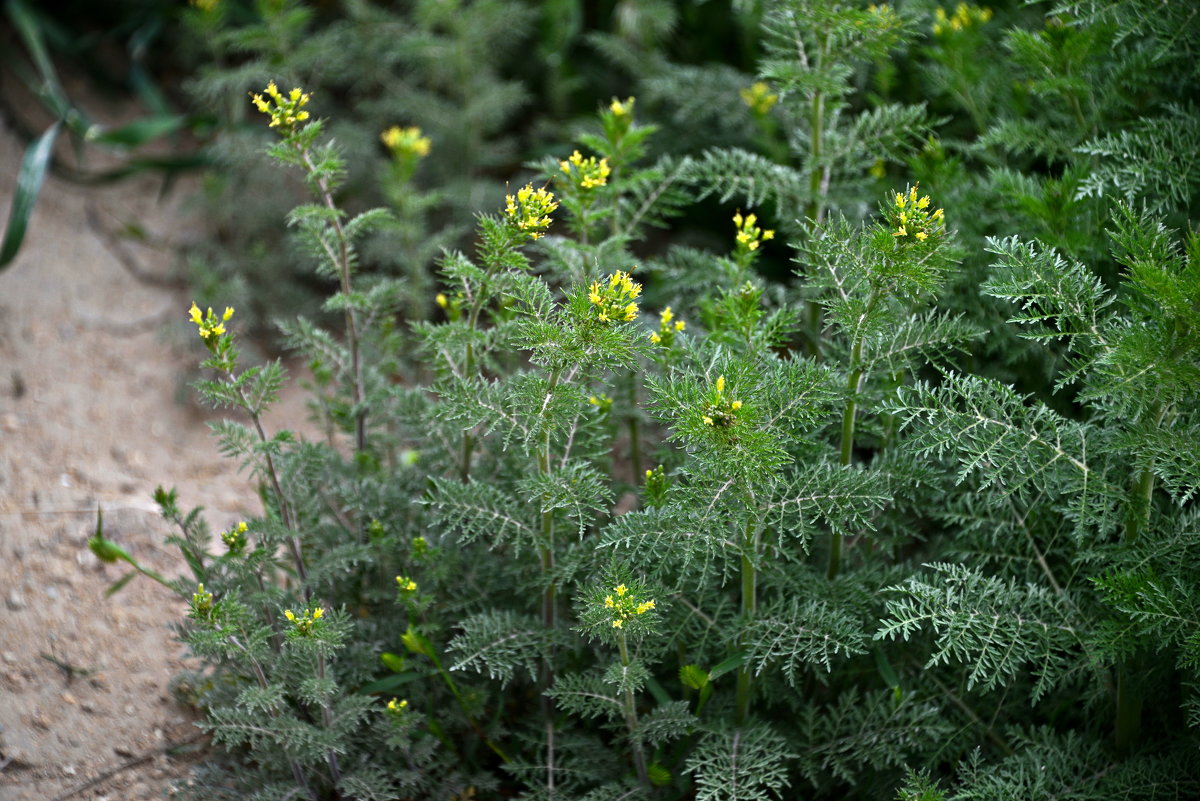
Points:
[(732, 537)]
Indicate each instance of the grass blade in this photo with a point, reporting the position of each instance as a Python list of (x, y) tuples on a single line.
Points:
[(29, 183)]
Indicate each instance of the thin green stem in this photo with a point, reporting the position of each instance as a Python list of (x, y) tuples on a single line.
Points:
[(1130, 699), (327, 720), (462, 704), (814, 210), (634, 424), (297, 770), (849, 413), (550, 593), (745, 679), (342, 259), (285, 509), (631, 720), (468, 441)]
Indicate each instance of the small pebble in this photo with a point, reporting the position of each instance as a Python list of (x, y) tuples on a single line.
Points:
[(16, 601)]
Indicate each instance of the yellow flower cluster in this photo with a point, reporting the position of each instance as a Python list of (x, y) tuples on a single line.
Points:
[(530, 209), (721, 412), (211, 328), (406, 142), (615, 300), (759, 98), (202, 601), (397, 707), (667, 326), (601, 402), (586, 173), (621, 109), (912, 218), (964, 17), (406, 584), (749, 235), (235, 538), (625, 606), (285, 112), (304, 623)]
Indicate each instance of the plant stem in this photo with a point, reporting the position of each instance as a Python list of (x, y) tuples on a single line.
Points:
[(814, 210), (1129, 709), (342, 259), (1130, 699), (635, 445), (462, 703), (468, 441), (745, 680), (327, 720), (639, 756), (297, 770), (846, 455), (550, 594), (285, 510)]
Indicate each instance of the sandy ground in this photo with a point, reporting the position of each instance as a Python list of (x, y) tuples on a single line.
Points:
[(94, 414)]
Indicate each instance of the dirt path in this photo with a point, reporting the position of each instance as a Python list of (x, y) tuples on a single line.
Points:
[(92, 414)]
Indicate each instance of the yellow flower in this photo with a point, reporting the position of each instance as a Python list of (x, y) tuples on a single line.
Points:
[(759, 98), (749, 235), (626, 605), (587, 173), (406, 142), (720, 412), (614, 300), (406, 584), (441, 300), (530, 209), (202, 601), (304, 623), (210, 327), (912, 220), (285, 112), (621, 109)]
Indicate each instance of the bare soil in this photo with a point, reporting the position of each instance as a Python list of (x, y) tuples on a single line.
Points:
[(94, 413)]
